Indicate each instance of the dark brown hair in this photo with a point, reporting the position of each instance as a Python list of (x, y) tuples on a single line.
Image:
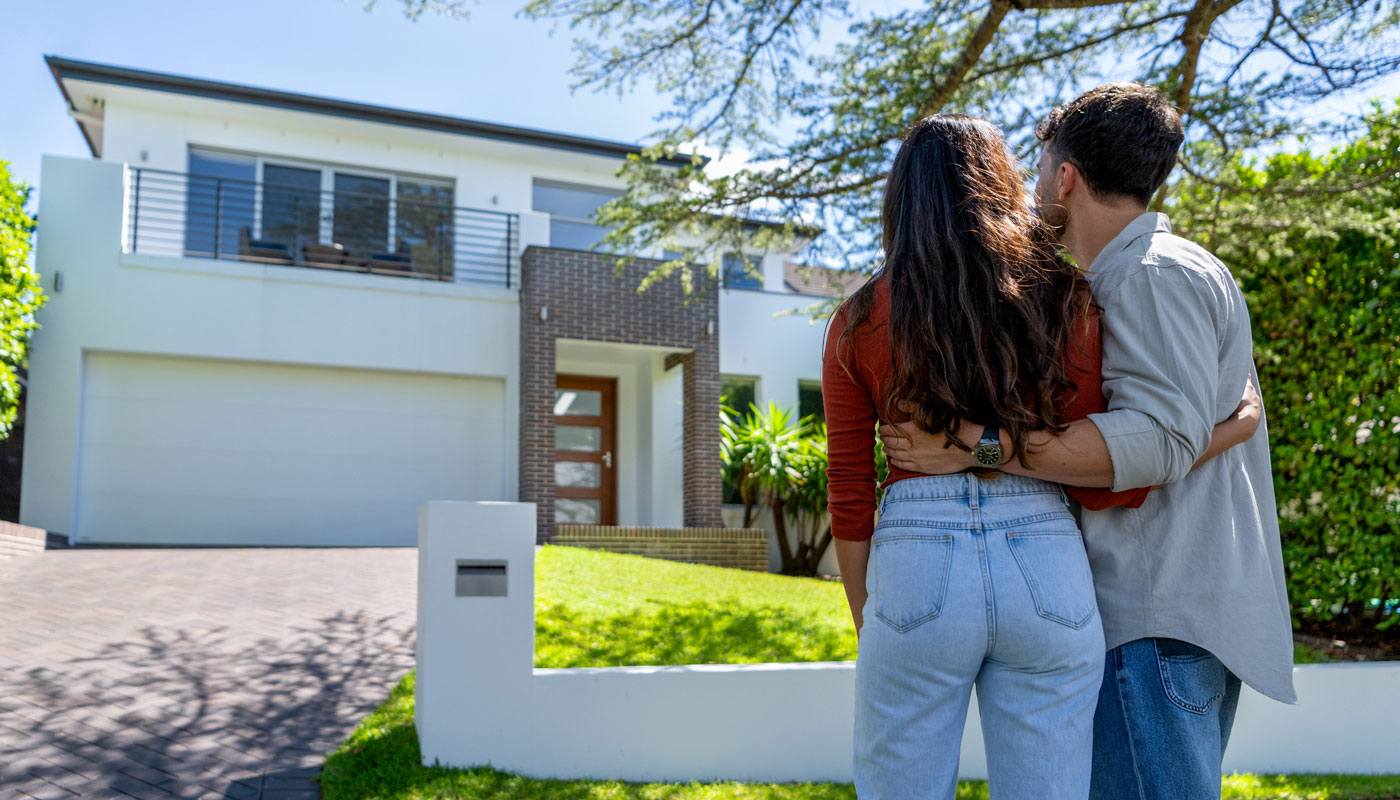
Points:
[(981, 305), (1122, 137)]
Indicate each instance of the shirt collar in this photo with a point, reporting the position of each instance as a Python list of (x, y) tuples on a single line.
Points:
[(1144, 224)]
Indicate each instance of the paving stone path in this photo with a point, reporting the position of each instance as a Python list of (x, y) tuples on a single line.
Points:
[(160, 673)]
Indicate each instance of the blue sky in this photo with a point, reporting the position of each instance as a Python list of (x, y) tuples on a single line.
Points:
[(492, 66)]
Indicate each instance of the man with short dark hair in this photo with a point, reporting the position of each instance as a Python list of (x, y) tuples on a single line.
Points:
[(1190, 586)]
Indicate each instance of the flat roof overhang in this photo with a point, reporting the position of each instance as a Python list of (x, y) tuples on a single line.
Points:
[(71, 69)]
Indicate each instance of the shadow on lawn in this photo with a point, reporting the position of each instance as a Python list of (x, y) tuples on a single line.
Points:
[(698, 632)]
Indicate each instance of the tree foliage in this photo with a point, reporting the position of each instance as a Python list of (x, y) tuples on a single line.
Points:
[(20, 295), (1321, 272), (739, 73)]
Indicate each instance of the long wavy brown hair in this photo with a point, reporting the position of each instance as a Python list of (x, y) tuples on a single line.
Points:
[(982, 306)]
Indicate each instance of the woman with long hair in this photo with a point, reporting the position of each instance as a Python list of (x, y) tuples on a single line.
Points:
[(978, 578)]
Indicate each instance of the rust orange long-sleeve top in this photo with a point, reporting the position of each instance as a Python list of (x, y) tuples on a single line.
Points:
[(851, 418)]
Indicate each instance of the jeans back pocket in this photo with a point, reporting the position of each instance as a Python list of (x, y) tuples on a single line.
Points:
[(911, 565), (1051, 556), (1192, 677)]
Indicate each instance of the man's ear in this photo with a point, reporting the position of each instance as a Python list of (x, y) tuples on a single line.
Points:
[(1069, 181)]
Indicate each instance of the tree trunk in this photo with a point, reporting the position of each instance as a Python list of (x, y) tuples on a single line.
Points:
[(821, 548), (810, 552), (780, 525)]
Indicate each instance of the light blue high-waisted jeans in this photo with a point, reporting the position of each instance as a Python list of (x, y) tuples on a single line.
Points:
[(977, 581)]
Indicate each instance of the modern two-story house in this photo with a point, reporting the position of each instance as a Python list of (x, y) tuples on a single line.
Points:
[(282, 319)]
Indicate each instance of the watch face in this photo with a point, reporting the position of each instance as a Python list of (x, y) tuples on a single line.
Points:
[(988, 455)]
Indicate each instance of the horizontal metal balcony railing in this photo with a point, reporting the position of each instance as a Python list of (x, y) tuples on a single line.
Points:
[(173, 213)]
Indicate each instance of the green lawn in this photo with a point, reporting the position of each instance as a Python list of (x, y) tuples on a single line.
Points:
[(599, 609)]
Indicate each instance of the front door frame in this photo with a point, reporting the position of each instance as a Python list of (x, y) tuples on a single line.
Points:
[(606, 456)]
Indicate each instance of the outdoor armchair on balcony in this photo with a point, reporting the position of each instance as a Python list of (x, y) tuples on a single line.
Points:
[(264, 250), (324, 255), (393, 263)]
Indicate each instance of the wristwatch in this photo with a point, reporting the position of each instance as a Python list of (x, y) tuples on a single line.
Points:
[(988, 449)]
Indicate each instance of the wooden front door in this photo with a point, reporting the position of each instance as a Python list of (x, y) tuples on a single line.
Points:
[(585, 467)]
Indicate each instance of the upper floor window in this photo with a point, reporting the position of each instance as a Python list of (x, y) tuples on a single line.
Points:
[(736, 276), (809, 400), (571, 210)]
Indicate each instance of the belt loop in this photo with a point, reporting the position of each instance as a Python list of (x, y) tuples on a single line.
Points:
[(972, 490)]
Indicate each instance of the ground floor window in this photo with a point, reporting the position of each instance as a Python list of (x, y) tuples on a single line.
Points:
[(809, 400), (739, 394)]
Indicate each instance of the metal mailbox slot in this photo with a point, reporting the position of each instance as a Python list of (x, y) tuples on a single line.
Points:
[(481, 578)]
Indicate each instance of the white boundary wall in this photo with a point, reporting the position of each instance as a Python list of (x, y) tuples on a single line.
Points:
[(480, 700)]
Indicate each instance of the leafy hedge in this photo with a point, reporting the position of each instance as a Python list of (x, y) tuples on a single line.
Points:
[(20, 295), (1315, 242)]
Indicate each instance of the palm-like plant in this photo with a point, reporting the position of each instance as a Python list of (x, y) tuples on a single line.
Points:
[(770, 457)]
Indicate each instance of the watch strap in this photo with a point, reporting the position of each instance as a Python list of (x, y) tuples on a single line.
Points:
[(990, 435)]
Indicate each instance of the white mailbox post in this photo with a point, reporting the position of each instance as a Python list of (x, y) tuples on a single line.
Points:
[(476, 632)]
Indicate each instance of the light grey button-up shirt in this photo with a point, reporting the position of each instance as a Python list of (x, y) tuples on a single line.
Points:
[(1200, 560)]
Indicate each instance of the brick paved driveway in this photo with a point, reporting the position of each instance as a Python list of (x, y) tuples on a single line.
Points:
[(193, 673)]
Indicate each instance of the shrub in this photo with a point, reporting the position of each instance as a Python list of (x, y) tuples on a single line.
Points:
[(20, 295), (1314, 241)]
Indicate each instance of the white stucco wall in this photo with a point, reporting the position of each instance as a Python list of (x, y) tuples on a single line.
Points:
[(754, 341), (481, 701), (200, 308)]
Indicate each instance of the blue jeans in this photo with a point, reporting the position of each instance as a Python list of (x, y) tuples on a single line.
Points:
[(977, 582), (1164, 718)]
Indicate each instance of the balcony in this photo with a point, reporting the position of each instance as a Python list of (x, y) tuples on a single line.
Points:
[(196, 216)]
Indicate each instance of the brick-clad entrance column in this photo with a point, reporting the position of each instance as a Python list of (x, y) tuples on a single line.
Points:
[(701, 439), (571, 294)]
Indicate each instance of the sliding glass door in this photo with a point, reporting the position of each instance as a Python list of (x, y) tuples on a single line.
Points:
[(291, 208), (361, 217), (219, 204), (423, 225)]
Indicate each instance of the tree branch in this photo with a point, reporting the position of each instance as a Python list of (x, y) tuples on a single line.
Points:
[(1041, 58), (626, 61), (1263, 37), (749, 56), (1051, 5), (1193, 36), (971, 51)]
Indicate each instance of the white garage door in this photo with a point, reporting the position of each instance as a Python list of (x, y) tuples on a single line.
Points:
[(217, 452)]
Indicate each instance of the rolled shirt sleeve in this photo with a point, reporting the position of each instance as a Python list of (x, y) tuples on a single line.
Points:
[(1160, 373)]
